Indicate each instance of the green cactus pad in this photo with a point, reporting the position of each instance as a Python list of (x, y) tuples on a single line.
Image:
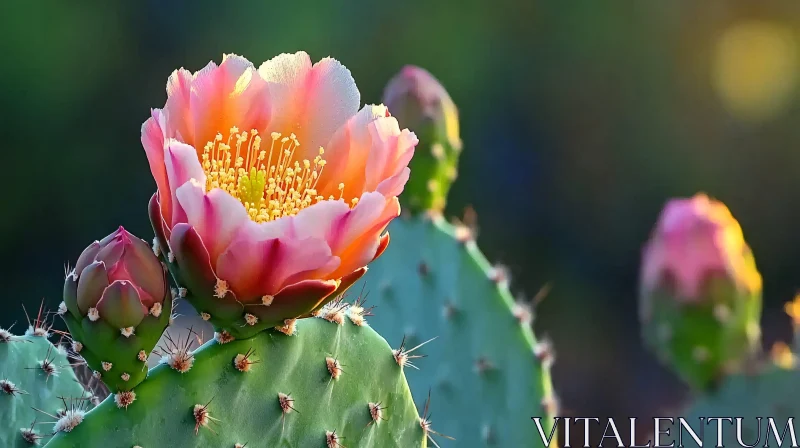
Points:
[(705, 340), (244, 407), (483, 372), (121, 361), (34, 374)]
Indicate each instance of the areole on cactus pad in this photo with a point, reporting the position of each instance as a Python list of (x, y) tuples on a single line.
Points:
[(274, 190)]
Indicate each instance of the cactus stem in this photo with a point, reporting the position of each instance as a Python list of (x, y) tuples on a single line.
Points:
[(124, 399), (202, 417), (127, 331), (376, 413), (242, 362), (423, 268), (289, 327), (403, 357), (10, 388), (334, 367), (332, 440)]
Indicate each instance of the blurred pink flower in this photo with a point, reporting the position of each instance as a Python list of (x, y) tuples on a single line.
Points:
[(694, 239), (248, 201)]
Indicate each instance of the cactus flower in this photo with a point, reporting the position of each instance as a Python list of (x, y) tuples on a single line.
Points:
[(419, 101), (117, 291), (274, 190), (700, 291)]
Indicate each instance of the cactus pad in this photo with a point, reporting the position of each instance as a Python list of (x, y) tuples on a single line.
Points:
[(33, 374), (485, 371), (328, 385)]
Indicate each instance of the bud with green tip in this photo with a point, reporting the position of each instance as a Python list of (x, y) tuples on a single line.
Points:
[(118, 305), (419, 102), (700, 291)]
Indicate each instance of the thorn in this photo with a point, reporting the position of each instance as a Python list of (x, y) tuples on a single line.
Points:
[(423, 269), (425, 423), (403, 357), (202, 417), (332, 440), (376, 412), (334, 367), (242, 362)]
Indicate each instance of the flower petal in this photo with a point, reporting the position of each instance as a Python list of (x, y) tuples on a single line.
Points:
[(310, 101), (216, 216), (120, 305), (153, 139), (390, 154), (182, 166), (353, 235), (231, 94), (347, 154), (257, 268)]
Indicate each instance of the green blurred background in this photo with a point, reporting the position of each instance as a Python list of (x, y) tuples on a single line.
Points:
[(579, 118)]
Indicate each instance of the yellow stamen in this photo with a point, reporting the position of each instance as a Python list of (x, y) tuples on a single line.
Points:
[(269, 188)]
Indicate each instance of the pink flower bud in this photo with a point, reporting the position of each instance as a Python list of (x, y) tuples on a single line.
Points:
[(113, 274)]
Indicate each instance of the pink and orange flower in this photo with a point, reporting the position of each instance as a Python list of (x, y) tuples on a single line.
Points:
[(274, 189)]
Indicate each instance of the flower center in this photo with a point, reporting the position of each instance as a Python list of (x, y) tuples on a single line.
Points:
[(270, 184)]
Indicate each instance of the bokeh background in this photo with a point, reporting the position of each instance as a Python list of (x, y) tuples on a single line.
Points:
[(580, 119)]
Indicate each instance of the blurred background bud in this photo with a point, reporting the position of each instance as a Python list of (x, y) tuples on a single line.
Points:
[(700, 291), (421, 103)]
